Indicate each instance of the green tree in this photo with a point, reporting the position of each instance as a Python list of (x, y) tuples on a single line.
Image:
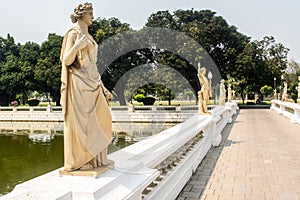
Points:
[(8, 47), (10, 80), (10, 73), (261, 62), (291, 76), (222, 41), (292, 72), (29, 55), (48, 68), (292, 90), (102, 29), (252, 64), (266, 90), (242, 88), (162, 82)]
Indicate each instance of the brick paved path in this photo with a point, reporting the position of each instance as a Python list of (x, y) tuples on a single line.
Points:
[(259, 159)]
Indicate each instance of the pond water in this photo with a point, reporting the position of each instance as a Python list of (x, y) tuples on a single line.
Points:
[(28, 150)]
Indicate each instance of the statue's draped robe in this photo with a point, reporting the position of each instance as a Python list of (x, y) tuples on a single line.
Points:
[(205, 87), (87, 118)]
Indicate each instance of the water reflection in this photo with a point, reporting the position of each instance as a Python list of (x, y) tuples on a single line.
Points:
[(28, 150), (22, 159), (41, 137)]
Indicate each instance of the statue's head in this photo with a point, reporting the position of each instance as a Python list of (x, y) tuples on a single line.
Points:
[(80, 11)]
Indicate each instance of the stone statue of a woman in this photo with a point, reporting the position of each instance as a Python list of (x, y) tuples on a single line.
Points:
[(285, 92), (222, 93), (87, 117), (205, 93), (298, 90)]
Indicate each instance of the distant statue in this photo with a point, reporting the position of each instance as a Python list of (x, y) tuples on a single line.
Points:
[(275, 94), (205, 93), (87, 117), (285, 92), (230, 93), (298, 88), (222, 93)]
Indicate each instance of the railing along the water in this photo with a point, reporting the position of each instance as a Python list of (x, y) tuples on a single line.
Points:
[(30, 114), (119, 113), (288, 109), (155, 168)]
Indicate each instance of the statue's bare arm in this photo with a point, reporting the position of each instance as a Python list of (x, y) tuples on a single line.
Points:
[(73, 46)]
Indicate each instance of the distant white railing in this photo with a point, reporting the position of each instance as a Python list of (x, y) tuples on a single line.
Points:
[(119, 113), (288, 109), (32, 113), (157, 167)]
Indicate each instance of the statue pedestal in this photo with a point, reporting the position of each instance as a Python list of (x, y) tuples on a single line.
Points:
[(95, 172)]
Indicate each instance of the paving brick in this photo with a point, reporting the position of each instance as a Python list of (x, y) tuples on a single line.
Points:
[(188, 188), (191, 194)]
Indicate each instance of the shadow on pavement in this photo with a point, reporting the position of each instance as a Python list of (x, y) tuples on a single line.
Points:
[(198, 182)]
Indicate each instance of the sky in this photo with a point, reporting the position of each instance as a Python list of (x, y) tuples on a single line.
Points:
[(32, 20)]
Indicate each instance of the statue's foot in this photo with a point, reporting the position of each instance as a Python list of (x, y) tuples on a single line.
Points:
[(108, 162), (204, 113), (86, 166)]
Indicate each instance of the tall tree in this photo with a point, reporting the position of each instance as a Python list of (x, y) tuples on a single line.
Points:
[(10, 80), (261, 62), (291, 76), (29, 55), (8, 47), (101, 30), (48, 67), (10, 73), (221, 41)]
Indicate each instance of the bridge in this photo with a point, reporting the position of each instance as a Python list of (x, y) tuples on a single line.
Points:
[(258, 158), (230, 154)]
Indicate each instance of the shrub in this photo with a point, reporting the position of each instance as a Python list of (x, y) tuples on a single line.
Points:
[(266, 90), (149, 101), (139, 97), (33, 102)]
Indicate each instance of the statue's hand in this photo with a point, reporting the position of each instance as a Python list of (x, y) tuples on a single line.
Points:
[(108, 95), (81, 42)]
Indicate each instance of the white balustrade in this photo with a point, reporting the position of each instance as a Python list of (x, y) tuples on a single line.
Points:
[(288, 109), (157, 167), (119, 113)]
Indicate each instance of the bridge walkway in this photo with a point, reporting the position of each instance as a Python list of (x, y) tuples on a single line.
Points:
[(257, 159)]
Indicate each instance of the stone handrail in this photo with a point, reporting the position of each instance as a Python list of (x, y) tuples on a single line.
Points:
[(32, 113), (288, 109), (119, 113), (157, 167), (113, 108)]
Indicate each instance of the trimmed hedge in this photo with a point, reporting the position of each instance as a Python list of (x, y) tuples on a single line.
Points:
[(33, 102), (148, 101)]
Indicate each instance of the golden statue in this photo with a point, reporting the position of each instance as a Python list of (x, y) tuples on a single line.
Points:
[(205, 93)]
